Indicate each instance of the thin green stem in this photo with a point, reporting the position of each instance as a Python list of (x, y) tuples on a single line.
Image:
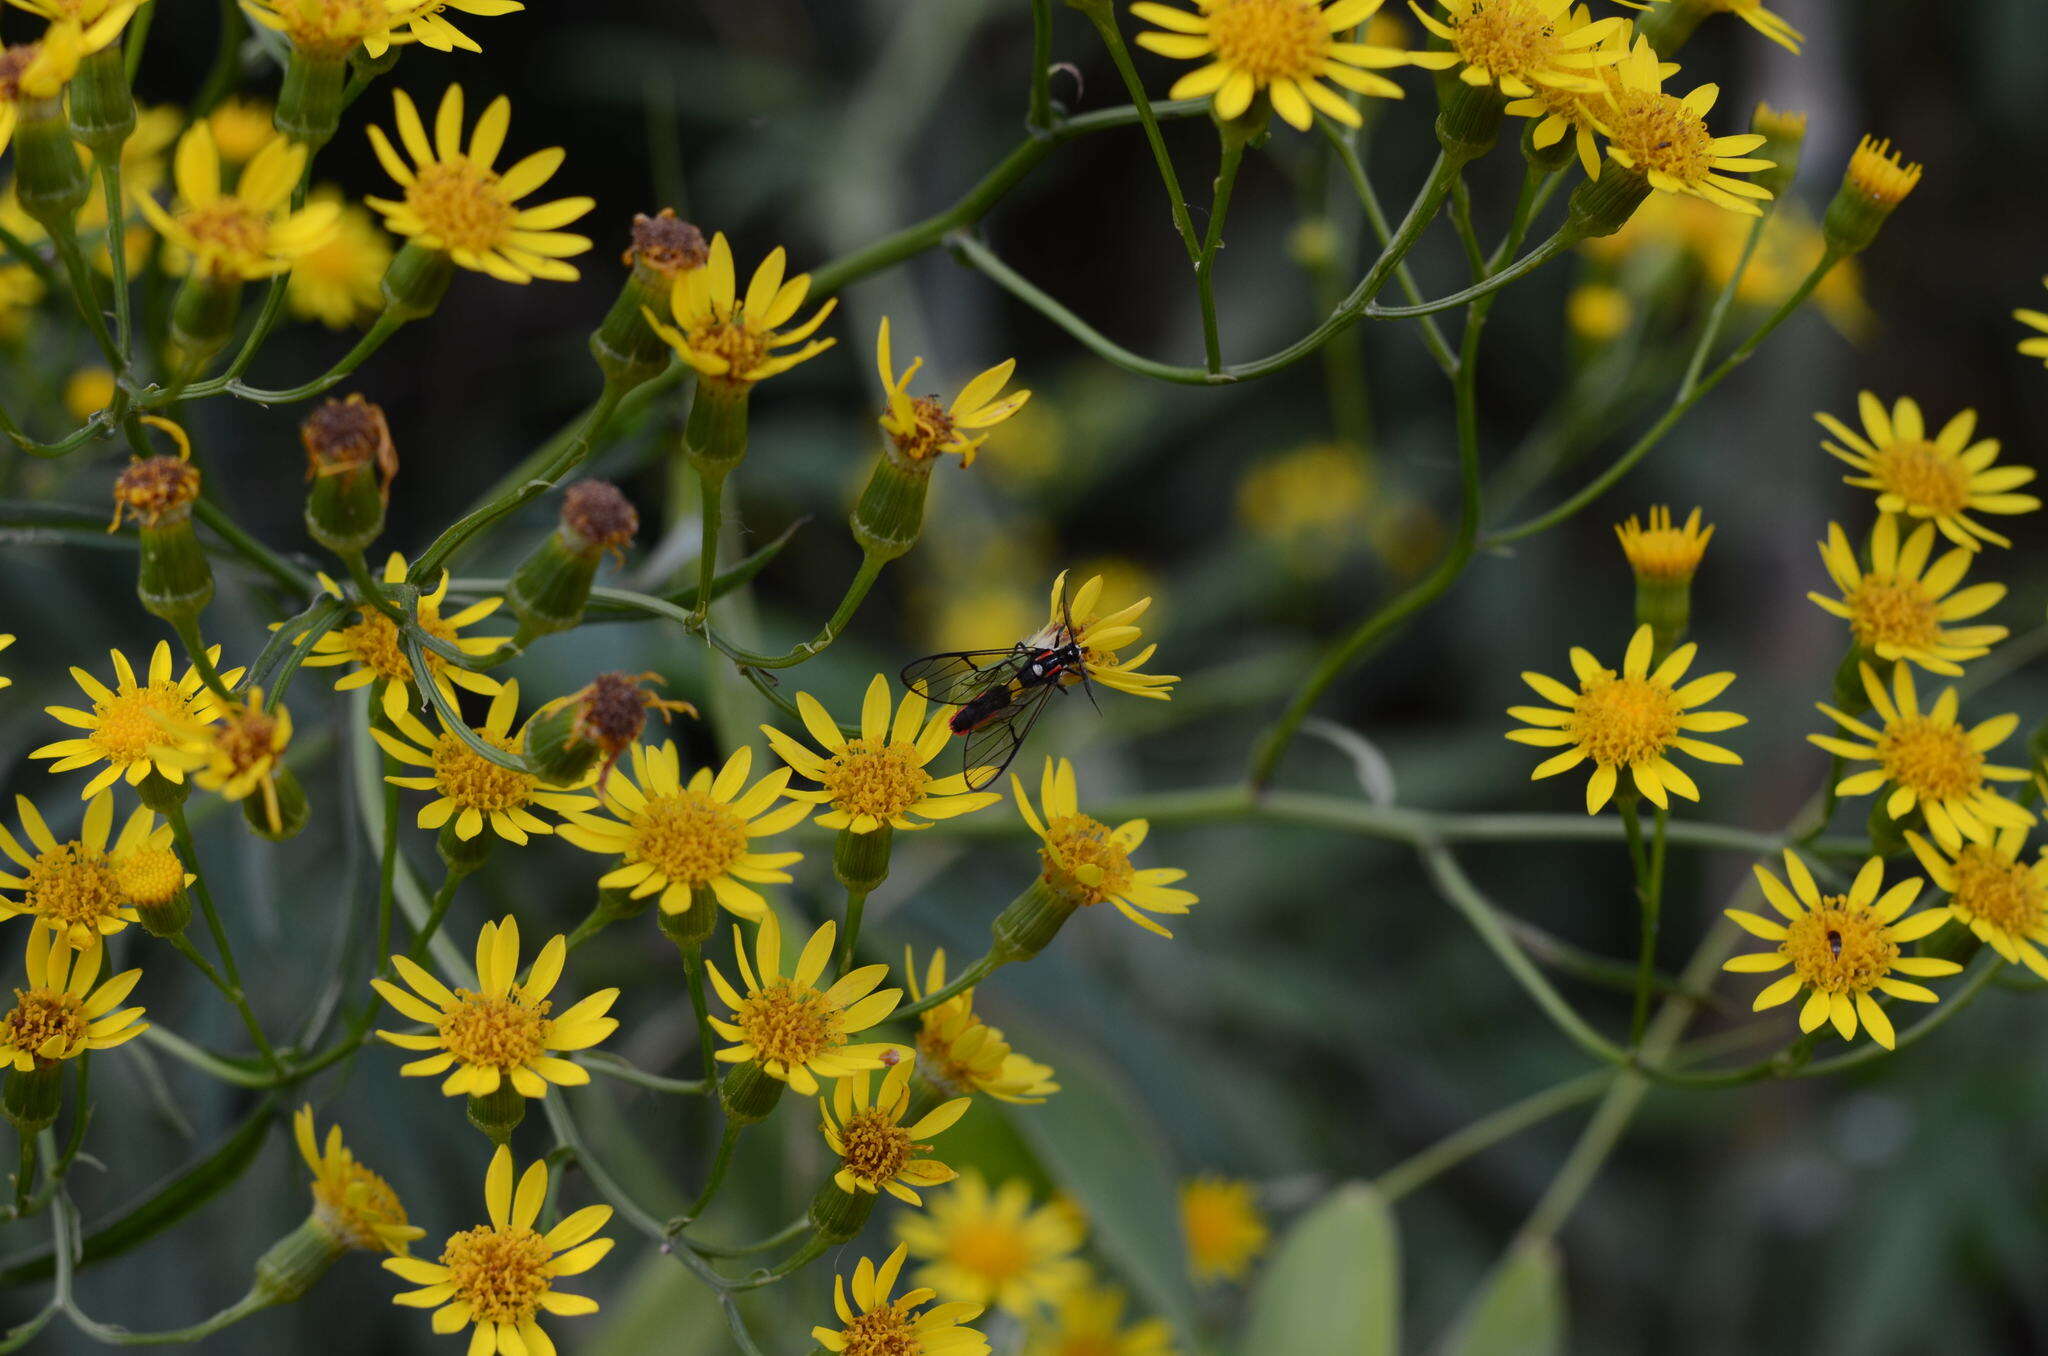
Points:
[(1650, 900), (1212, 241), (387, 324), (187, 627), (117, 252), (711, 502), (1421, 1168), (288, 576), (1104, 19), (961, 983), (856, 592), (1038, 111), (1718, 316), (367, 587), (613, 1066), (716, 1178), (849, 936), (788, 1233), (86, 295), (230, 989), (693, 976), (1376, 216)]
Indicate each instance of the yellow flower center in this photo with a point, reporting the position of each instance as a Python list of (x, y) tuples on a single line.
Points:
[(1893, 612), (149, 875), (1923, 475), (128, 727), (1082, 860), (465, 777), (73, 884), (1935, 760), (882, 780), (501, 1032), (788, 1023), (354, 1202), (1837, 948), (500, 1273), (882, 1332), (372, 641), (730, 339), (1270, 39), (1505, 37), (2001, 892), (876, 1146), (928, 428), (689, 837), (992, 1249), (1621, 722), (230, 229), (1660, 135), (331, 27), (458, 200), (39, 1015)]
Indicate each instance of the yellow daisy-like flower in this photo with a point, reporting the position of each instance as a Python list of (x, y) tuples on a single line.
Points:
[(500, 1277), (370, 643), (1576, 108), (1842, 949), (339, 283), (676, 837), (469, 789), (334, 28), (1752, 12), (796, 1031), (959, 1053), (125, 727), (876, 1325), (457, 202), (991, 1247), (1879, 175), (1929, 760), (502, 1031), (1945, 478), (1633, 721), (249, 232), (241, 128), (1663, 553), (60, 1015), (1520, 46), (35, 70), (1665, 138), (878, 777), (2035, 345), (1087, 861), (1901, 607), (80, 887), (1993, 893), (1224, 1228), (877, 1152), (1089, 1321), (1100, 637), (357, 1207), (1286, 48), (84, 25), (922, 428), (732, 340), (239, 755), (429, 26)]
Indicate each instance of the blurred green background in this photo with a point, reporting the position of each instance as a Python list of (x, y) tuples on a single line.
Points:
[(1321, 1015)]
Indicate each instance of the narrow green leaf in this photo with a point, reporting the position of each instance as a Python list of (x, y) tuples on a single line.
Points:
[(1519, 1311), (1334, 1283)]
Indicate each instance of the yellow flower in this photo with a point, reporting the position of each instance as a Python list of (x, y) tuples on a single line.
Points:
[(1286, 48), (1100, 636), (1993, 893), (239, 755), (1753, 13), (501, 1276), (60, 1015), (732, 339), (1632, 720), (878, 777), (876, 1325), (1661, 552), (1945, 478), (959, 1053), (125, 727), (794, 1030), (1085, 860), (1520, 46), (2035, 345), (1220, 1219), (77, 28), (457, 202), (334, 28), (1309, 503), (1901, 606), (370, 642), (1841, 948), (1929, 760), (80, 887), (31, 70), (241, 128), (1665, 138), (677, 837), (339, 282), (991, 1247), (502, 1031), (1089, 1321), (249, 232), (429, 26), (356, 1206), (1879, 175), (877, 1152), (1576, 107), (468, 789), (922, 428), (87, 391)]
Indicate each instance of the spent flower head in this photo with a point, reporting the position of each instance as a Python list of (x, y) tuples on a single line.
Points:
[(356, 1207)]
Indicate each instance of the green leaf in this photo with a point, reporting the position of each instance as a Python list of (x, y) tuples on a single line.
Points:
[(1333, 1284), (1103, 1148), (1519, 1311)]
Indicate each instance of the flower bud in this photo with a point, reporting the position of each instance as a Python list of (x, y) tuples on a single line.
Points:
[(1876, 182), (549, 590), (690, 928), (1553, 157), (889, 516), (715, 439), (351, 462), (498, 1113), (749, 1092), (154, 881), (286, 816), (861, 860), (102, 107), (838, 1214), (462, 855), (203, 316), (1030, 922), (1600, 207), (570, 735), (1663, 559), (309, 102), (415, 282), (160, 793), (1468, 118), (32, 1097), (626, 348), (49, 178), (174, 579), (295, 1262), (1784, 137)]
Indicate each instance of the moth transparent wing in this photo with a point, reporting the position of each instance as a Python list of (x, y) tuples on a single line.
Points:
[(958, 677), (989, 748)]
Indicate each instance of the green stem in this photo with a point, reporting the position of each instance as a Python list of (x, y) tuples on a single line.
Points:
[(613, 1066), (1718, 317), (86, 295), (187, 628), (966, 980), (1104, 19), (849, 603), (1376, 216), (1489, 1130), (117, 251), (373, 339), (693, 975), (230, 989), (711, 500), (719, 1164), (1205, 263), (1038, 112), (138, 37), (856, 906), (288, 576), (788, 1233), (367, 587)]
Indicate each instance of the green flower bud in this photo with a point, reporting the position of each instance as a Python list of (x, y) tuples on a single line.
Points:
[(295, 1262), (889, 516), (1663, 557), (690, 928), (49, 178), (749, 1092), (1030, 922), (861, 860), (416, 281), (31, 1098), (1602, 206), (715, 439), (351, 462), (292, 810), (203, 316), (462, 855), (1468, 120), (549, 590), (102, 108), (1876, 182), (626, 348), (309, 103), (498, 1114), (160, 793), (174, 579), (837, 1214)]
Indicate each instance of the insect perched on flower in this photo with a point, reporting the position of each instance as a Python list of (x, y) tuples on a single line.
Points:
[(60, 1015), (1282, 48)]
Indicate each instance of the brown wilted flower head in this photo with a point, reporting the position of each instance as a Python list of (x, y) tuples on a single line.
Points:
[(666, 243), (612, 711), (14, 62), (153, 489), (346, 435), (599, 517)]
